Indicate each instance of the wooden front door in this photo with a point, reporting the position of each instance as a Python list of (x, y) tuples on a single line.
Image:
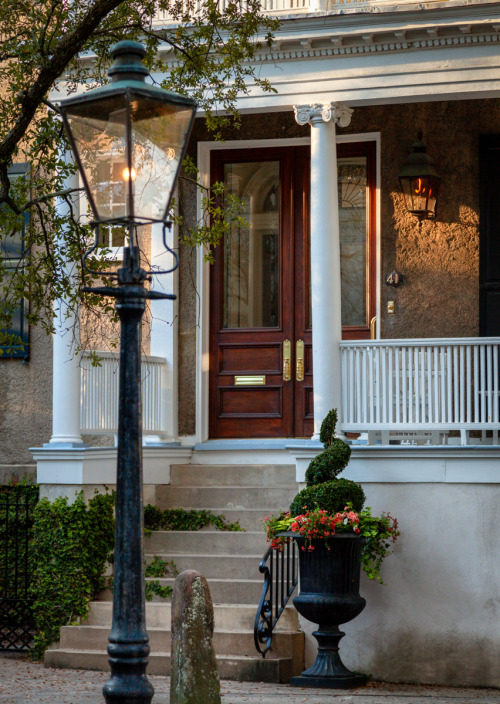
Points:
[(261, 382)]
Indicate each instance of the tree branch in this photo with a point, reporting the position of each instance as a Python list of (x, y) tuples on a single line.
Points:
[(63, 53)]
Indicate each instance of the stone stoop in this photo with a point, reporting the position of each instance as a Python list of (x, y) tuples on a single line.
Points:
[(230, 563)]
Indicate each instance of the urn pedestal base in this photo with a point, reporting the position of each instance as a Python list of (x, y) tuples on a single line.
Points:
[(328, 671), (329, 596)]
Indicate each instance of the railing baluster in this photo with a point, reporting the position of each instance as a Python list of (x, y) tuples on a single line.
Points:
[(364, 418), (456, 389), (482, 366), (404, 383), (462, 384), (469, 383), (436, 385), (496, 398), (489, 377)]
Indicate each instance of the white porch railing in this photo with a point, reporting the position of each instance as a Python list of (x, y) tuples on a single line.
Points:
[(272, 7), (280, 7), (417, 384), (99, 394)]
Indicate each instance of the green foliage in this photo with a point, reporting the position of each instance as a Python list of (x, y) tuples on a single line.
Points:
[(159, 568), (207, 50), (380, 534), (327, 431), (331, 496), (329, 463), (179, 519), (71, 545)]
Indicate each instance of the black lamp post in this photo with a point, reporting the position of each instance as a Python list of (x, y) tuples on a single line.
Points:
[(129, 138), (420, 181)]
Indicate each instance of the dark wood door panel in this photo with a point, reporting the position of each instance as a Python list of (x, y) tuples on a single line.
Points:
[(245, 358), (237, 402)]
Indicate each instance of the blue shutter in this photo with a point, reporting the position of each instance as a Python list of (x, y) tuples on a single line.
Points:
[(13, 250)]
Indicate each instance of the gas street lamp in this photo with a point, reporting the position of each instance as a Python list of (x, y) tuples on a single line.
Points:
[(129, 138)]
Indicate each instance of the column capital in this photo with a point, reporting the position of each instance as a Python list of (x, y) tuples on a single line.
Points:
[(323, 112)]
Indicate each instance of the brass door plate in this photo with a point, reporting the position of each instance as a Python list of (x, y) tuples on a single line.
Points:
[(253, 380)]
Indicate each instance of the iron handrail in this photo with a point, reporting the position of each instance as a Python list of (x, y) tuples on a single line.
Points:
[(280, 579)]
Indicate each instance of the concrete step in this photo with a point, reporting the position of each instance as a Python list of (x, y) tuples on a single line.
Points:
[(248, 518), (217, 565), (229, 642), (214, 541), (231, 667), (226, 616), (233, 475), (223, 591), (228, 497)]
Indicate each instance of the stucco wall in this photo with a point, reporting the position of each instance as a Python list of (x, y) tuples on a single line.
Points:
[(439, 259), (435, 620), (26, 401)]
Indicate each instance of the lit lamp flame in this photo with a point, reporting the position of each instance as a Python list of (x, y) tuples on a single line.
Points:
[(129, 175)]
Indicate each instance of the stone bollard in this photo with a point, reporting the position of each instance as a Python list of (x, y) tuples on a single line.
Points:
[(194, 676)]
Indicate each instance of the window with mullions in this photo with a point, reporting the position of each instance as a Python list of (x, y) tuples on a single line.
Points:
[(12, 256)]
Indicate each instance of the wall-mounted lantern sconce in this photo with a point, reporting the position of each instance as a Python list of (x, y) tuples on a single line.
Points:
[(420, 181)]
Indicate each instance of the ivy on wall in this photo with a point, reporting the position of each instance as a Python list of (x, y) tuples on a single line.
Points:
[(72, 544)]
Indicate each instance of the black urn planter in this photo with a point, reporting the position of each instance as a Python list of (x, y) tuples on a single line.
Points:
[(329, 596)]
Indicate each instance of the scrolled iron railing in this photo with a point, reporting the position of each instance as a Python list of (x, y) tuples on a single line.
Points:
[(281, 576)]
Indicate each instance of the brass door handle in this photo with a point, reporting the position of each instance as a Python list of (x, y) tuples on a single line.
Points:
[(373, 323), (287, 360), (299, 360)]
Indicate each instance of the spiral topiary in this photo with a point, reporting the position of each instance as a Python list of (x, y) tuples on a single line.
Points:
[(328, 464), (327, 431), (334, 458), (323, 489), (331, 496)]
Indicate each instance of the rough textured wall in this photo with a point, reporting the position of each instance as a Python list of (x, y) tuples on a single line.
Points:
[(26, 401), (439, 259)]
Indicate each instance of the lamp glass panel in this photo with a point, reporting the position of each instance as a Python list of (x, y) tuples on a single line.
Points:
[(99, 133), (406, 189), (159, 132)]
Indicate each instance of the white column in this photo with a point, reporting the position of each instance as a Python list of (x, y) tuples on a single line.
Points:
[(65, 363), (325, 256), (164, 329)]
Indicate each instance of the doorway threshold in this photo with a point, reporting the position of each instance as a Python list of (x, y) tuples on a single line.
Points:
[(229, 444)]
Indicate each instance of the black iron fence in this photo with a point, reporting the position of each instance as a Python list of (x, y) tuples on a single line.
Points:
[(280, 570), (16, 521)]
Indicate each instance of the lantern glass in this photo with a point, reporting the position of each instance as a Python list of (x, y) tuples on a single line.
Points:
[(130, 148), (420, 194)]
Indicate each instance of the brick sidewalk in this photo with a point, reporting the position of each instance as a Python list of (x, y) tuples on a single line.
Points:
[(22, 682)]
